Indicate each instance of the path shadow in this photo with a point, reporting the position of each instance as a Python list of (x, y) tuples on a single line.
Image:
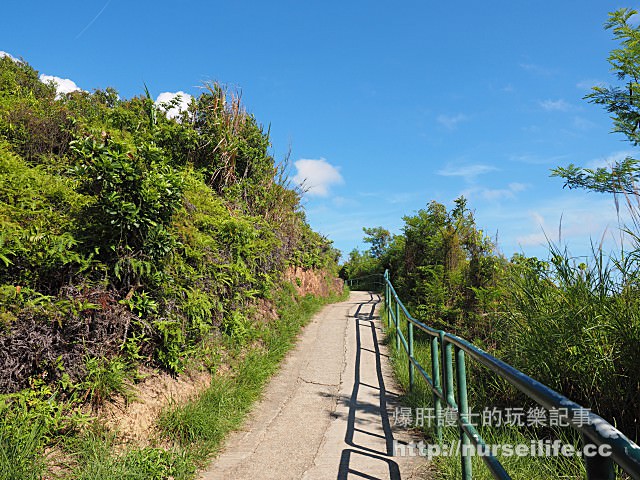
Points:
[(364, 318)]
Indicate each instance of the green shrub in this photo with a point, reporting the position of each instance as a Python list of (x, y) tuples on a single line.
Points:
[(105, 379)]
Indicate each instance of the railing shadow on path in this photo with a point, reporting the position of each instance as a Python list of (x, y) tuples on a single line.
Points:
[(363, 412)]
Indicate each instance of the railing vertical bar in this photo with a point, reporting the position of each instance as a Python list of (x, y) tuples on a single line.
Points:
[(411, 366), (597, 466), (397, 319), (387, 288), (435, 375), (463, 409), (447, 365)]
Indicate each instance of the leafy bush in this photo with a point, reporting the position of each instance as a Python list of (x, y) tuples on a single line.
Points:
[(105, 379)]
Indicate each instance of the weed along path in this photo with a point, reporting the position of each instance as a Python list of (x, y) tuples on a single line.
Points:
[(328, 412)]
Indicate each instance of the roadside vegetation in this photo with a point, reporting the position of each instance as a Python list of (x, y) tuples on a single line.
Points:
[(572, 324), (129, 238)]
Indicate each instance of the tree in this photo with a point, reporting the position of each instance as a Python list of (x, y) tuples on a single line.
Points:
[(379, 239), (623, 102)]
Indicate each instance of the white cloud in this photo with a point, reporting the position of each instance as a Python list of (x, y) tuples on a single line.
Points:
[(502, 193), (555, 105), (575, 219), (533, 159), (588, 84), (343, 202), (451, 121), (611, 160), (167, 97), (582, 123), (63, 85), (6, 54), (467, 171), (537, 69), (316, 176)]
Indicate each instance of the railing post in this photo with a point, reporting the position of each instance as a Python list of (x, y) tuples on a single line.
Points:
[(463, 409), (435, 375), (598, 467), (411, 367), (447, 366), (397, 323), (387, 300)]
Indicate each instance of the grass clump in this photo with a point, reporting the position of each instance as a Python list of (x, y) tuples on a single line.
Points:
[(95, 457)]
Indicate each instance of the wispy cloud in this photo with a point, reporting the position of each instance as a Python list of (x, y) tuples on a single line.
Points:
[(63, 85), (468, 172), (316, 176), (394, 198), (575, 220), (174, 110), (496, 194), (450, 122), (344, 202), (611, 159), (559, 105), (535, 159), (588, 84), (94, 19), (582, 123), (537, 69)]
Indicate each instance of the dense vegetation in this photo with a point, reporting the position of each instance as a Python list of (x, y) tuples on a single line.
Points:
[(128, 237), (572, 325)]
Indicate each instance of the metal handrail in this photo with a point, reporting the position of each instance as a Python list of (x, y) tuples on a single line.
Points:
[(444, 345), (377, 278)]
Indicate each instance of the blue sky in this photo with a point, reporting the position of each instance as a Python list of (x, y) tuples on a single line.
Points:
[(384, 106)]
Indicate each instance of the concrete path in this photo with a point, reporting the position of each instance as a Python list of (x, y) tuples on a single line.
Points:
[(328, 412)]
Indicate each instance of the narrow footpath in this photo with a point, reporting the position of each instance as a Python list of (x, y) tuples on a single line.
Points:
[(328, 413)]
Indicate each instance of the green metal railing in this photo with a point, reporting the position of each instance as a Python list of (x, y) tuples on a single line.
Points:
[(448, 355), (373, 282)]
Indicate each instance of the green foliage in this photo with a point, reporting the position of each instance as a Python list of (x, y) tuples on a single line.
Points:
[(29, 420), (97, 457), (575, 327), (128, 237), (236, 326), (37, 210), (135, 194), (170, 352), (21, 446), (379, 239), (30, 117), (105, 379), (620, 177), (442, 265), (591, 308), (571, 325), (448, 466)]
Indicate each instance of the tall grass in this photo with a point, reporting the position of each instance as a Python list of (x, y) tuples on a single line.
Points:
[(97, 457), (21, 446), (575, 326), (449, 467)]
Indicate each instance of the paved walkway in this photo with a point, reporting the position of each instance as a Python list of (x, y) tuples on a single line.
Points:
[(328, 412)]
